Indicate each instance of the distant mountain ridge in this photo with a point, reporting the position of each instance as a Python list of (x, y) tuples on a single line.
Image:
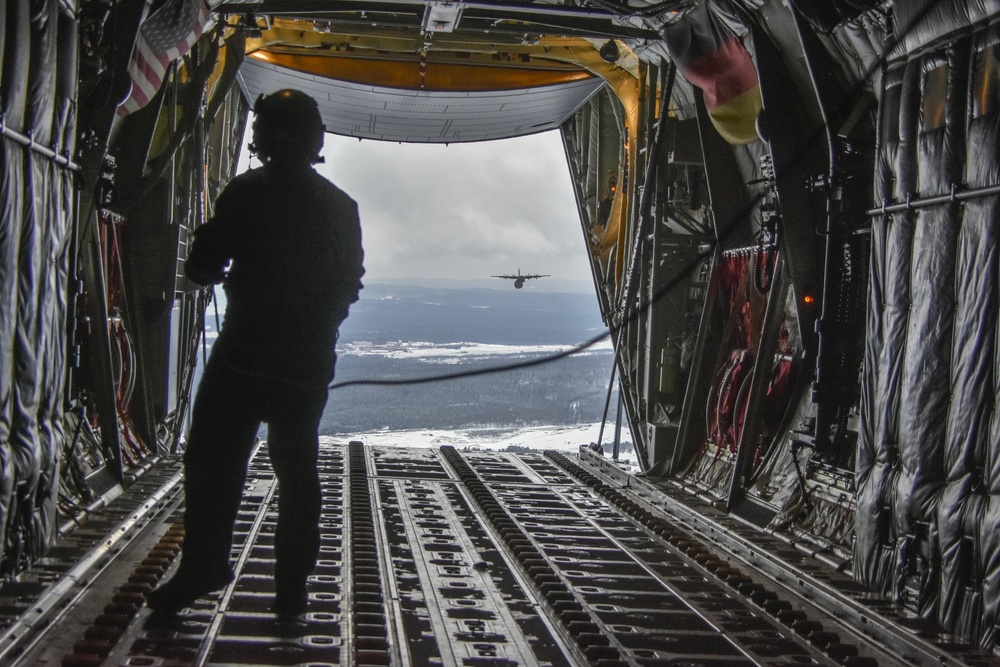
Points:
[(443, 315)]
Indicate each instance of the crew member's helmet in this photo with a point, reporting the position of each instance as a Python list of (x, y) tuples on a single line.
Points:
[(287, 127)]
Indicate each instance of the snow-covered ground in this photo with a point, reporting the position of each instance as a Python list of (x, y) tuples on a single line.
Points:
[(563, 438)]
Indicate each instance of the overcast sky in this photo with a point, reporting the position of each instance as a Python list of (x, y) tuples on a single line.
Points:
[(463, 211)]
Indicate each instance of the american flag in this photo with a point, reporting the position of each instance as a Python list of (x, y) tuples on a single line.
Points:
[(166, 35)]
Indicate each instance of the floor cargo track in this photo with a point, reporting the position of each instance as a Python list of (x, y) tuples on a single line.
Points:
[(442, 557)]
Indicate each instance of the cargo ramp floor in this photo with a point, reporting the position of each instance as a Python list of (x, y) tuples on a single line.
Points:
[(445, 557)]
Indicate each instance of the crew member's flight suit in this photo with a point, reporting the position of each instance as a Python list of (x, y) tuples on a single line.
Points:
[(295, 244)]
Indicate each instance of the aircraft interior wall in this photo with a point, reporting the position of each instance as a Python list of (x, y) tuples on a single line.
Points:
[(37, 214), (926, 523), (85, 239), (919, 437), (873, 437)]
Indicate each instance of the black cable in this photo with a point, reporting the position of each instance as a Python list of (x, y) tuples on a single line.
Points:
[(643, 12), (577, 349), (478, 371)]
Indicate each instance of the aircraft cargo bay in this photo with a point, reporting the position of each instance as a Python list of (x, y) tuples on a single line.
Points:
[(788, 213)]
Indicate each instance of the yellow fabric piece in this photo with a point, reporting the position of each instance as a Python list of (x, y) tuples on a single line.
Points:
[(736, 120)]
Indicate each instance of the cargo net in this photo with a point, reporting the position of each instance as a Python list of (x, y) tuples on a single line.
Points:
[(742, 285)]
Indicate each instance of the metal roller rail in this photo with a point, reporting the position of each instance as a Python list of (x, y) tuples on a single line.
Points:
[(472, 558)]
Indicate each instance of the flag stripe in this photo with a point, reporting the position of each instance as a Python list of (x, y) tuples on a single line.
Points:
[(713, 59), (736, 119), (723, 74), (164, 36)]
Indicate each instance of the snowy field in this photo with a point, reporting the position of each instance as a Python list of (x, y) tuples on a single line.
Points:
[(539, 438)]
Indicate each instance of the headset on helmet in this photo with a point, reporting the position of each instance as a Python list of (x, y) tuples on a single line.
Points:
[(287, 123)]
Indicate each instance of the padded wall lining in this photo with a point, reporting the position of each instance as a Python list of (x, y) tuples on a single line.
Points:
[(927, 519), (38, 82), (14, 88)]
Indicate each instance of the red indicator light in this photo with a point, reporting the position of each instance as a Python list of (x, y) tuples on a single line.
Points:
[(808, 299)]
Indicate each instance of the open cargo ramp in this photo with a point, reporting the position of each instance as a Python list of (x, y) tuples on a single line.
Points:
[(448, 557)]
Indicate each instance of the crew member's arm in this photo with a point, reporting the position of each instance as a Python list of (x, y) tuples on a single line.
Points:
[(354, 254), (212, 248)]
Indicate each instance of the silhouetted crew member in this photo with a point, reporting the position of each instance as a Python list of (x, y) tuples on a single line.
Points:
[(294, 241)]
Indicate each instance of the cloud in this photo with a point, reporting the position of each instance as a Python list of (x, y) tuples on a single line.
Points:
[(463, 211)]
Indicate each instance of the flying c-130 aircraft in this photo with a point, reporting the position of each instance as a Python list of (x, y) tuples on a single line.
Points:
[(519, 279)]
